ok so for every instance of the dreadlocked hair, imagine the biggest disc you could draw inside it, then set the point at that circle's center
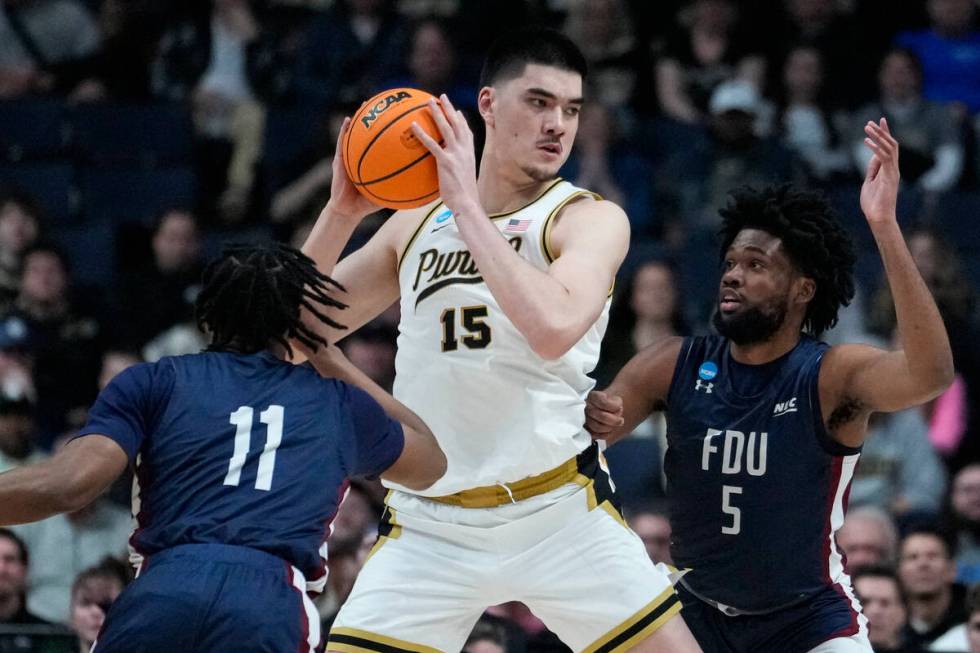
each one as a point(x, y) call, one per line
point(812, 236)
point(253, 295)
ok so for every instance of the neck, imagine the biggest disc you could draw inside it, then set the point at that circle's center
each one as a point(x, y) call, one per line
point(930, 608)
point(647, 333)
point(892, 641)
point(502, 187)
point(9, 606)
point(759, 353)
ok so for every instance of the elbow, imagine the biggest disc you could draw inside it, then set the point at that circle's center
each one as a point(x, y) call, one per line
point(434, 470)
point(938, 379)
point(552, 341)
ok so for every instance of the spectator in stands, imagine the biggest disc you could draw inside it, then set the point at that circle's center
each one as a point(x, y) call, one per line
point(950, 53)
point(114, 361)
point(868, 537)
point(932, 147)
point(883, 603)
point(488, 636)
point(806, 123)
point(349, 51)
point(432, 64)
point(372, 350)
point(704, 51)
point(14, 563)
point(21, 218)
point(18, 433)
point(653, 527)
point(161, 294)
point(899, 471)
point(64, 341)
point(604, 161)
point(92, 592)
point(647, 307)
point(973, 623)
point(964, 522)
point(45, 45)
point(602, 29)
point(735, 155)
point(358, 513)
point(927, 572)
point(69, 544)
point(954, 429)
point(825, 26)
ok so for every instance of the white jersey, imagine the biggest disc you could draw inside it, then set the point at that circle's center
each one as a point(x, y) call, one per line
point(500, 412)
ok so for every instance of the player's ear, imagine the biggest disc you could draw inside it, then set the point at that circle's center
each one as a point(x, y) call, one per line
point(484, 102)
point(806, 288)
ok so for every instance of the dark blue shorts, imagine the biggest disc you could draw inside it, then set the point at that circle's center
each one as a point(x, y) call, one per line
point(797, 629)
point(212, 598)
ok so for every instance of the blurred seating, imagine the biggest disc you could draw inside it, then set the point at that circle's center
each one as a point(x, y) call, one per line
point(32, 129)
point(91, 251)
point(125, 195)
point(52, 183)
point(144, 135)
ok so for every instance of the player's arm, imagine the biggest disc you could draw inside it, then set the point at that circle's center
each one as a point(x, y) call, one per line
point(640, 388)
point(422, 461)
point(552, 309)
point(68, 481)
point(859, 380)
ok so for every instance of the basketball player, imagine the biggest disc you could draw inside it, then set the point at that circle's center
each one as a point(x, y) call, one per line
point(241, 459)
point(504, 285)
point(765, 423)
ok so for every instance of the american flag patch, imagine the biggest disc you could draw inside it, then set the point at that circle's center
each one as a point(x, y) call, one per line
point(516, 226)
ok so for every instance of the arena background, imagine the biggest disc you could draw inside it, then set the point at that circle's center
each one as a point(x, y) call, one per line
point(136, 136)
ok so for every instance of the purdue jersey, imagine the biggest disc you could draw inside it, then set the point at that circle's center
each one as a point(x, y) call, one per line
point(500, 412)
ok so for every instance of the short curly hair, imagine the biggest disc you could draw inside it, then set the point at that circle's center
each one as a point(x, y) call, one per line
point(812, 236)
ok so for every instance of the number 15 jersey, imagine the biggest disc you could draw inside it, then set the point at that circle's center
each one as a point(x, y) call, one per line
point(500, 412)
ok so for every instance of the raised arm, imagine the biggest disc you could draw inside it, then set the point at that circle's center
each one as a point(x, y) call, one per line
point(71, 479)
point(422, 461)
point(640, 388)
point(553, 309)
point(857, 380)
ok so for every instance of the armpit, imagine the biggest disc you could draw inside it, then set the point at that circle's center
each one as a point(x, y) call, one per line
point(847, 410)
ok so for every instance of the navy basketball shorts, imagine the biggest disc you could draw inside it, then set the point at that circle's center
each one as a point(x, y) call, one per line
point(827, 622)
point(212, 598)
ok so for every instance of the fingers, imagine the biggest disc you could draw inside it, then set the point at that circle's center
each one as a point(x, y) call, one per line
point(880, 140)
point(603, 418)
point(874, 166)
point(429, 142)
point(338, 153)
point(604, 401)
point(439, 116)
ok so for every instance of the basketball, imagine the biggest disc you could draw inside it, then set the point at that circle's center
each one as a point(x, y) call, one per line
point(383, 158)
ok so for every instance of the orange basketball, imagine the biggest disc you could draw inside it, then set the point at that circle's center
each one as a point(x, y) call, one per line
point(383, 158)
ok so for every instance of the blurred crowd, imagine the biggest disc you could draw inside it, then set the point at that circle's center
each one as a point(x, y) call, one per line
point(138, 135)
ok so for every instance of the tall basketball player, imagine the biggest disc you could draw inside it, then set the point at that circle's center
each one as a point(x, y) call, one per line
point(504, 285)
point(765, 423)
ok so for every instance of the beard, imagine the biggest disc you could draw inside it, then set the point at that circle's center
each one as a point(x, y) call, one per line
point(752, 325)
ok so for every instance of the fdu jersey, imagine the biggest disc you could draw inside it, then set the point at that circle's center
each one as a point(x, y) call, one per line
point(757, 486)
point(245, 450)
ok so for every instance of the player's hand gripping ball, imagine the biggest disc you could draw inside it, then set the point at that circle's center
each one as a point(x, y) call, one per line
point(384, 160)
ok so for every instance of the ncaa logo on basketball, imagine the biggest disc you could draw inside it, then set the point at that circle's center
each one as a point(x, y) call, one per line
point(382, 106)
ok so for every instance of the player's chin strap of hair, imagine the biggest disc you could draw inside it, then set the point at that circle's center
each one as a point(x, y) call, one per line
point(509, 493)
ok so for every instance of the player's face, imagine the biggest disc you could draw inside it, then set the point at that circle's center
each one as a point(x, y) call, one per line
point(882, 605)
point(924, 566)
point(13, 571)
point(533, 118)
point(756, 282)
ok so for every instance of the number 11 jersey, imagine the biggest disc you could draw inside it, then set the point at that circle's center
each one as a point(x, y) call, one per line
point(245, 450)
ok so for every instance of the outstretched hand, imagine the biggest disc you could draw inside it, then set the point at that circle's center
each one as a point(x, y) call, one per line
point(455, 157)
point(345, 200)
point(603, 414)
point(879, 194)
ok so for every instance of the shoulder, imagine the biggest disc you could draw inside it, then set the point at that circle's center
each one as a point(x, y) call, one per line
point(588, 216)
point(401, 229)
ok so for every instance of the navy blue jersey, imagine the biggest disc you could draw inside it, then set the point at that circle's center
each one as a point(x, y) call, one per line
point(245, 450)
point(757, 485)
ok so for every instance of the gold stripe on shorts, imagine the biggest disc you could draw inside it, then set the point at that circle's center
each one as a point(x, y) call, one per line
point(640, 626)
point(491, 496)
point(352, 640)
